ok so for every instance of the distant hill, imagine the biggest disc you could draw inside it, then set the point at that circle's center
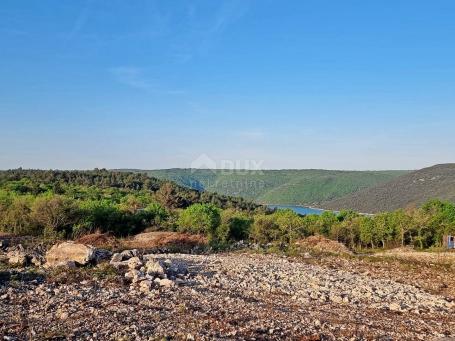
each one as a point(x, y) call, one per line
point(410, 189)
point(296, 187)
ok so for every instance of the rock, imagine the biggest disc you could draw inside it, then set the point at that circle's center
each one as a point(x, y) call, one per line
point(133, 275)
point(134, 263)
point(145, 286)
point(127, 254)
point(70, 252)
point(36, 259)
point(4, 243)
point(67, 264)
point(394, 306)
point(102, 254)
point(154, 268)
point(17, 256)
point(116, 257)
point(164, 282)
point(336, 299)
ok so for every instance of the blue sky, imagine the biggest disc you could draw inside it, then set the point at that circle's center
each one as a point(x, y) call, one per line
point(284, 84)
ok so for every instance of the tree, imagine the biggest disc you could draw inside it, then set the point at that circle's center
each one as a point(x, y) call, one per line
point(55, 213)
point(290, 224)
point(200, 218)
point(402, 223)
point(367, 231)
point(235, 225)
point(265, 229)
point(156, 213)
point(101, 215)
point(167, 195)
point(16, 217)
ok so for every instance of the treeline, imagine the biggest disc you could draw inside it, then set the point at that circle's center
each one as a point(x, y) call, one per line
point(68, 204)
point(71, 203)
point(422, 227)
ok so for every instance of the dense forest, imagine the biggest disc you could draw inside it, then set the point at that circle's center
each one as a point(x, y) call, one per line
point(286, 186)
point(68, 204)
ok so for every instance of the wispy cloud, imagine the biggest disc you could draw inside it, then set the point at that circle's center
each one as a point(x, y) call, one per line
point(203, 30)
point(80, 21)
point(228, 13)
point(135, 77)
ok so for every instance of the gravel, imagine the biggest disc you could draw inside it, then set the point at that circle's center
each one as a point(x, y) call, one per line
point(224, 296)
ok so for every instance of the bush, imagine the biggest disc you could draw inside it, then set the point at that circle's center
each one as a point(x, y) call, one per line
point(55, 214)
point(101, 215)
point(265, 229)
point(16, 217)
point(156, 213)
point(200, 218)
point(235, 225)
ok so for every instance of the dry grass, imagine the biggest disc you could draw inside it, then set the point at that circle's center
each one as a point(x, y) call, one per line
point(170, 240)
point(101, 240)
point(322, 244)
point(442, 257)
point(174, 241)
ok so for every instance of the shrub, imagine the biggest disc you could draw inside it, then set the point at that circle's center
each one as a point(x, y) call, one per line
point(200, 218)
point(101, 215)
point(56, 214)
point(16, 218)
point(265, 229)
point(156, 213)
point(235, 225)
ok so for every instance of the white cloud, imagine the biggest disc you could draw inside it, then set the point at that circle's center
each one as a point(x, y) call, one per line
point(135, 77)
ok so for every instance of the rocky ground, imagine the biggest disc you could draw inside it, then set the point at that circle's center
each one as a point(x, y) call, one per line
point(236, 295)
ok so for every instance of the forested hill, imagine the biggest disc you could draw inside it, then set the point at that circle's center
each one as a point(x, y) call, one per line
point(304, 187)
point(412, 189)
point(100, 183)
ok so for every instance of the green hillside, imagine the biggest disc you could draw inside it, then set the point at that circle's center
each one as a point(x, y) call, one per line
point(298, 187)
point(409, 190)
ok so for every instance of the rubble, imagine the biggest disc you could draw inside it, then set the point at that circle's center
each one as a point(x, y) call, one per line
point(224, 296)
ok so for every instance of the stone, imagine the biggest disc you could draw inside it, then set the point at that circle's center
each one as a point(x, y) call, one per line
point(4, 243)
point(134, 263)
point(67, 264)
point(145, 286)
point(154, 268)
point(164, 282)
point(336, 299)
point(17, 256)
point(70, 252)
point(116, 257)
point(102, 254)
point(394, 306)
point(36, 259)
point(127, 254)
point(133, 275)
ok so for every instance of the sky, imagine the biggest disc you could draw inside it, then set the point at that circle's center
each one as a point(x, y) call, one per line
point(255, 84)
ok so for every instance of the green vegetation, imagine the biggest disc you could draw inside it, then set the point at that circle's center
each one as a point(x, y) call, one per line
point(421, 228)
point(200, 219)
point(58, 204)
point(408, 190)
point(298, 187)
point(64, 204)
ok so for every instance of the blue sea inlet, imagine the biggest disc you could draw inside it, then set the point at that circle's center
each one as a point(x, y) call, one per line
point(298, 209)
